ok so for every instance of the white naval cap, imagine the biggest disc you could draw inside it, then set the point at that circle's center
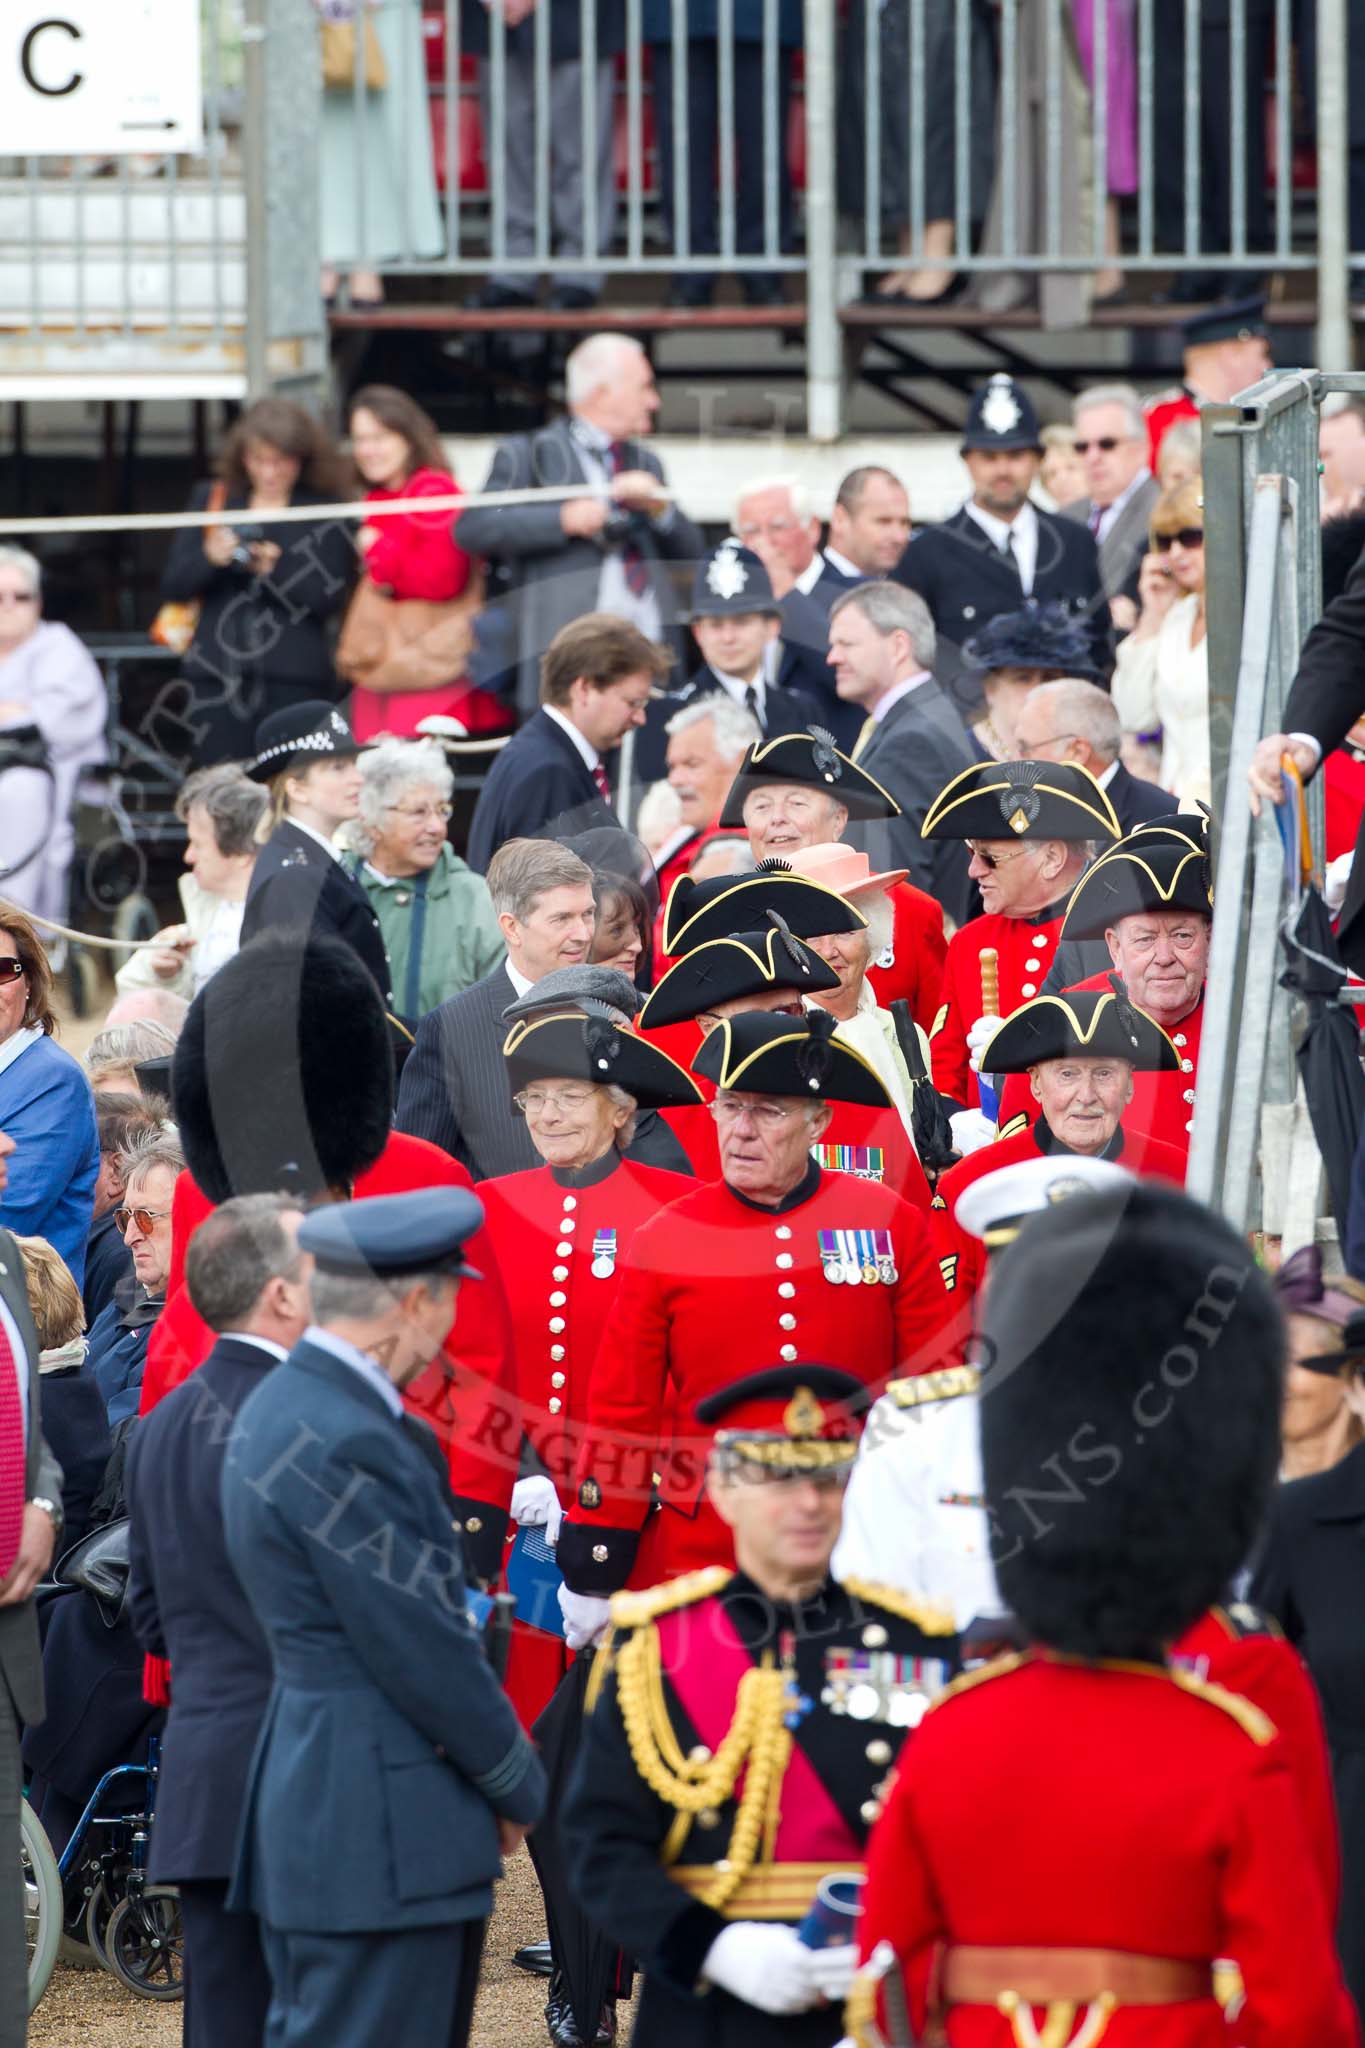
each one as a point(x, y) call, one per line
point(995, 1207)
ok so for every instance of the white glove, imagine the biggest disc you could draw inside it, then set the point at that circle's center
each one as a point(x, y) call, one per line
point(764, 1964)
point(971, 1129)
point(585, 1618)
point(832, 1970)
point(979, 1037)
point(1335, 880)
point(535, 1505)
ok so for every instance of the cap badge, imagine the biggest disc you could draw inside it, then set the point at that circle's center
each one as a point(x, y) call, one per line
point(803, 1415)
point(1019, 800)
point(1000, 413)
point(726, 575)
point(825, 754)
point(1062, 1190)
point(590, 1494)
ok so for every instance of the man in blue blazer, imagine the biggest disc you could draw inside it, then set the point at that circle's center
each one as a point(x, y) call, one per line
point(249, 1281)
point(391, 1775)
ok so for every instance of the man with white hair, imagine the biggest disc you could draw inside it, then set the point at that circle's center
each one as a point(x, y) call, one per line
point(707, 740)
point(773, 516)
point(1111, 440)
point(1071, 720)
point(604, 551)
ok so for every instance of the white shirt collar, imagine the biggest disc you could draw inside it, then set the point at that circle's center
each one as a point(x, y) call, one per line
point(843, 565)
point(1110, 772)
point(518, 980)
point(316, 837)
point(592, 437)
point(586, 751)
point(811, 574)
point(277, 1351)
point(18, 1042)
point(359, 1361)
point(1024, 523)
point(899, 690)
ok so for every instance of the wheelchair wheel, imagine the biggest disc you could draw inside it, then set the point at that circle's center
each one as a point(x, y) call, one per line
point(135, 918)
point(98, 1913)
point(42, 1901)
point(145, 1944)
point(83, 982)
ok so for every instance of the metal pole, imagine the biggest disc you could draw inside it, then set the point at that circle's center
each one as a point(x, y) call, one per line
point(1334, 230)
point(254, 181)
point(824, 347)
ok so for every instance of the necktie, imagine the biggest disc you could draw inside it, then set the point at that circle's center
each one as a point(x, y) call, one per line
point(632, 556)
point(869, 726)
point(11, 1455)
point(751, 706)
point(1096, 519)
point(599, 776)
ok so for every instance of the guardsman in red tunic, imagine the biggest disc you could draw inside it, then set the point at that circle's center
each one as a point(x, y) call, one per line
point(1080, 1053)
point(777, 1257)
point(1031, 826)
point(1129, 1442)
point(1149, 900)
point(742, 1729)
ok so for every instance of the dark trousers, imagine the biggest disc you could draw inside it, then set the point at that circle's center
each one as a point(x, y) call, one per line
point(13, 1942)
point(703, 143)
point(409, 1989)
point(1215, 134)
point(227, 1985)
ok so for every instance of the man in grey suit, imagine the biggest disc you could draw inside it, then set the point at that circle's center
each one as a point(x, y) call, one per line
point(30, 1524)
point(1112, 442)
point(881, 649)
point(606, 551)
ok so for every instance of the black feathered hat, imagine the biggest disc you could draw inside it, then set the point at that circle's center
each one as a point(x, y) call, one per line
point(1037, 635)
point(1021, 800)
point(811, 760)
point(1130, 1417)
point(727, 970)
point(1149, 872)
point(1082, 1024)
point(283, 1075)
point(586, 1044)
point(715, 909)
point(765, 1055)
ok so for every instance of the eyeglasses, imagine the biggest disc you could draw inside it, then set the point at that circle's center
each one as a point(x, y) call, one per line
point(1106, 443)
point(767, 1115)
point(996, 860)
point(11, 969)
point(1027, 749)
point(441, 812)
point(1188, 536)
point(18, 597)
point(144, 1219)
point(535, 1101)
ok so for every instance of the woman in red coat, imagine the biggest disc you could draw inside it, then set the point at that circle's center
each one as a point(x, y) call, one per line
point(561, 1233)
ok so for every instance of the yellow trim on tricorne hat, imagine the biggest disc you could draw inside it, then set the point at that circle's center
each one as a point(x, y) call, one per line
point(1102, 811)
point(674, 941)
point(731, 1081)
point(1083, 1032)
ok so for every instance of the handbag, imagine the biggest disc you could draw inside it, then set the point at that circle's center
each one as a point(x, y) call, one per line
point(407, 643)
point(339, 57)
point(177, 622)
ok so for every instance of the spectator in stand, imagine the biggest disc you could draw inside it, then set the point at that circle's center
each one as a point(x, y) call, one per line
point(414, 558)
point(707, 740)
point(123, 1122)
point(658, 818)
point(434, 913)
point(51, 690)
point(1061, 472)
point(377, 174)
point(1072, 720)
point(75, 1427)
point(1120, 493)
point(1182, 452)
point(46, 1108)
point(1341, 446)
point(1000, 548)
point(606, 551)
point(752, 112)
point(115, 1052)
point(774, 520)
point(511, 152)
point(221, 810)
point(624, 924)
point(1319, 1425)
point(1176, 99)
point(869, 528)
point(1162, 675)
point(119, 1339)
point(882, 650)
point(1226, 350)
point(265, 593)
point(550, 780)
point(1119, 87)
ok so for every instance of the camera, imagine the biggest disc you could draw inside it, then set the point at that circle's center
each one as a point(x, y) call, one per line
point(247, 537)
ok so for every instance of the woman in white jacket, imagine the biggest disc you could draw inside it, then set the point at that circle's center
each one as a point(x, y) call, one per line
point(221, 809)
point(1162, 675)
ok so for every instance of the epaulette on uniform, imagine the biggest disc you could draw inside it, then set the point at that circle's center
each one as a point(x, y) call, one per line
point(945, 1385)
point(1013, 1127)
point(1240, 1619)
point(940, 1020)
point(931, 1621)
point(633, 1610)
point(998, 1667)
point(947, 1267)
point(1248, 1717)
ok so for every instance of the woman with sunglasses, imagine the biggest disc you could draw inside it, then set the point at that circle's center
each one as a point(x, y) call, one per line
point(46, 1108)
point(1161, 679)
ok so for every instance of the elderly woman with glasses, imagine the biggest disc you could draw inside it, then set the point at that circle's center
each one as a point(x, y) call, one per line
point(52, 697)
point(435, 913)
point(46, 1107)
point(1161, 679)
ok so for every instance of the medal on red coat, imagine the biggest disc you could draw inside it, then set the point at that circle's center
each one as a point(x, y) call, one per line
point(603, 1254)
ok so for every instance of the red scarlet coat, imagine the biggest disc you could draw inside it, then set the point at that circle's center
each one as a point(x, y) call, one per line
point(1140, 1815)
point(1162, 1104)
point(1163, 412)
point(1025, 946)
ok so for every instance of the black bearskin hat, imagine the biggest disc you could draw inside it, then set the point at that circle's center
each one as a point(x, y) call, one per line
point(283, 1076)
point(1130, 1417)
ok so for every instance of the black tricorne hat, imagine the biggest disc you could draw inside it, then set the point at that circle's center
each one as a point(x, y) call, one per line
point(283, 1073)
point(585, 1044)
point(732, 582)
point(1148, 872)
point(391, 1236)
point(760, 1054)
point(1021, 800)
point(727, 970)
point(1132, 1326)
point(813, 761)
point(1001, 415)
point(1088, 1024)
point(313, 731)
point(726, 904)
point(1038, 636)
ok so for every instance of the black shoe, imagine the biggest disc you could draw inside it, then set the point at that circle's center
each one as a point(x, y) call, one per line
point(763, 289)
point(563, 2028)
point(501, 298)
point(572, 298)
point(534, 1959)
point(692, 291)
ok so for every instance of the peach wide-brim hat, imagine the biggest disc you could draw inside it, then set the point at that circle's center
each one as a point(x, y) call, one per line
point(843, 869)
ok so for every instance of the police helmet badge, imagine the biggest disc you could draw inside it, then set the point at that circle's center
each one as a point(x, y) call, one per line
point(726, 575)
point(1000, 411)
